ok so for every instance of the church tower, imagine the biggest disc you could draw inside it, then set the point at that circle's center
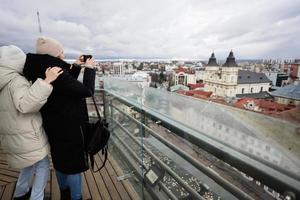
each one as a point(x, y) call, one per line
point(222, 80)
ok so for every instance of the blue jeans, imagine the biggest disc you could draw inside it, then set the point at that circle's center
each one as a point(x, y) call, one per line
point(71, 181)
point(41, 171)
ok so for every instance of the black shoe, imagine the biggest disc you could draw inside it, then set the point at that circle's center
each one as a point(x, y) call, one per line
point(24, 197)
point(65, 194)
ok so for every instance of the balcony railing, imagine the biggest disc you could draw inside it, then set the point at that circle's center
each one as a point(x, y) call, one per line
point(177, 147)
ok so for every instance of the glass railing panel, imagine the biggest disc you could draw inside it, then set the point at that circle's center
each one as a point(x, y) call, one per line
point(246, 135)
point(273, 140)
point(128, 154)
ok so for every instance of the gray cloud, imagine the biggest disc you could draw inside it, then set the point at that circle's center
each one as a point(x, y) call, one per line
point(158, 28)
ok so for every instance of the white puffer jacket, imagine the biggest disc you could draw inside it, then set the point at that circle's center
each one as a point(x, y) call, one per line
point(22, 136)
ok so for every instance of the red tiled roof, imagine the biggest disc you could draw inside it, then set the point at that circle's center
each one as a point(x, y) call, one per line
point(195, 93)
point(197, 85)
point(241, 102)
point(267, 107)
point(219, 100)
point(292, 115)
point(181, 92)
point(184, 70)
point(198, 93)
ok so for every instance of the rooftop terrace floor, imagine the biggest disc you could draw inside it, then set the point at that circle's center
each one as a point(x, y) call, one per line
point(96, 186)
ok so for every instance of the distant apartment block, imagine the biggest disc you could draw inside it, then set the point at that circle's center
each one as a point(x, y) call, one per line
point(278, 79)
point(118, 68)
point(293, 68)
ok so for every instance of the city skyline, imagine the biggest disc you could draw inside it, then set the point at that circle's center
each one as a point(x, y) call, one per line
point(189, 29)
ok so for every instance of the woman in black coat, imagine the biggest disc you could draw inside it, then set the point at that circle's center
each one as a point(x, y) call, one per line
point(64, 114)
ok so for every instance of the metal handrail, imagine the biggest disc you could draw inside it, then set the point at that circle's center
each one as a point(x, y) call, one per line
point(164, 188)
point(209, 172)
point(193, 192)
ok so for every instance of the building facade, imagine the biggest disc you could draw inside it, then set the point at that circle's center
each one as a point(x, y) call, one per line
point(289, 95)
point(184, 77)
point(221, 80)
point(229, 80)
point(118, 68)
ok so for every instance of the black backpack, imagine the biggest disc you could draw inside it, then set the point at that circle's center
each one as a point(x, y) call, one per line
point(97, 138)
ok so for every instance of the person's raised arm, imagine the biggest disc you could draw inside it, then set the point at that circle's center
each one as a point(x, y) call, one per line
point(30, 98)
point(89, 75)
point(76, 67)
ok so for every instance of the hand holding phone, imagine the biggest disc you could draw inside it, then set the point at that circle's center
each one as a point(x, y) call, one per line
point(85, 57)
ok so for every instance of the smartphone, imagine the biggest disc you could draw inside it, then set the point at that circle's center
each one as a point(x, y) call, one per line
point(85, 57)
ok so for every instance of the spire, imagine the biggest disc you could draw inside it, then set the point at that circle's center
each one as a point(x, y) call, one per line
point(39, 22)
point(230, 61)
point(212, 60)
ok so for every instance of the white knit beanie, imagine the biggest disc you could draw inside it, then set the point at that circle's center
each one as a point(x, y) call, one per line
point(50, 46)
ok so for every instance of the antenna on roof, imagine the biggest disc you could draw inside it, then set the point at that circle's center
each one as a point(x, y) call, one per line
point(39, 22)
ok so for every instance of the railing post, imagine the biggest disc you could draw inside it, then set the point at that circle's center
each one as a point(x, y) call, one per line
point(142, 134)
point(103, 100)
point(143, 121)
point(111, 109)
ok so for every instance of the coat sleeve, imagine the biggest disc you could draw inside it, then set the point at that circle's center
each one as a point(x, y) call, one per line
point(89, 79)
point(67, 85)
point(75, 70)
point(29, 98)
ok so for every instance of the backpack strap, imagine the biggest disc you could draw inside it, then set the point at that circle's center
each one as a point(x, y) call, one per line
point(97, 111)
point(104, 151)
point(92, 160)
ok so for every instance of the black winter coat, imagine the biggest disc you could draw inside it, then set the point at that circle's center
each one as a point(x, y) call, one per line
point(65, 113)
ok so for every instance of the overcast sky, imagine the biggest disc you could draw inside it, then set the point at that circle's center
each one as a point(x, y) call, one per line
point(157, 28)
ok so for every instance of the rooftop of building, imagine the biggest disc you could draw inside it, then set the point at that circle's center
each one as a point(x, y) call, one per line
point(249, 77)
point(212, 60)
point(260, 95)
point(292, 115)
point(230, 61)
point(183, 69)
point(261, 105)
point(290, 91)
point(196, 93)
point(195, 86)
point(179, 87)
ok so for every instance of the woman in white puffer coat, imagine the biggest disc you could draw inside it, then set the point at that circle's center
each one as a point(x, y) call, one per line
point(22, 136)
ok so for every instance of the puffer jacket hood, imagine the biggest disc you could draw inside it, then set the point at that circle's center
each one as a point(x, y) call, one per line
point(12, 60)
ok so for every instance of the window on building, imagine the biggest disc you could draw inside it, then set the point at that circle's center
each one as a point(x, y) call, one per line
point(243, 90)
point(251, 90)
point(261, 89)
